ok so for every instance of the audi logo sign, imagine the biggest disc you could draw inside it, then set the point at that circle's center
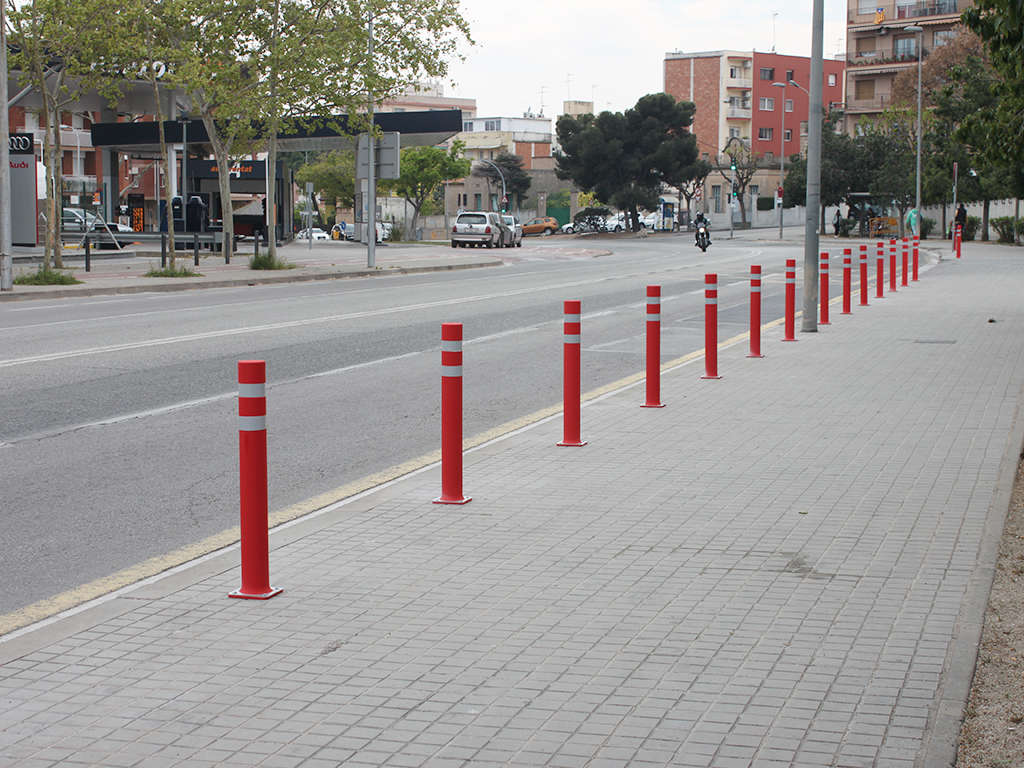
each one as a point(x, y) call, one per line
point(21, 144)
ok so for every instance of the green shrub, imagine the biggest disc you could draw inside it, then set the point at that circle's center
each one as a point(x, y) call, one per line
point(176, 272)
point(845, 226)
point(263, 260)
point(1005, 227)
point(927, 226)
point(46, 276)
point(396, 234)
point(972, 227)
point(765, 203)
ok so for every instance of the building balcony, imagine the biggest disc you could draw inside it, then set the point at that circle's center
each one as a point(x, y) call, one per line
point(737, 113)
point(864, 62)
point(904, 11)
point(873, 104)
point(745, 83)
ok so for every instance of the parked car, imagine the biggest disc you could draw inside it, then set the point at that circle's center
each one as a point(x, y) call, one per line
point(318, 234)
point(546, 225)
point(79, 220)
point(483, 228)
point(113, 232)
point(517, 230)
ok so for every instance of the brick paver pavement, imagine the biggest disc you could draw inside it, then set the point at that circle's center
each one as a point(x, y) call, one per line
point(784, 567)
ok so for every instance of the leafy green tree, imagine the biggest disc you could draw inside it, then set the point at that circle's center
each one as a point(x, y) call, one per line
point(333, 178)
point(890, 152)
point(517, 181)
point(996, 130)
point(424, 170)
point(690, 181)
point(624, 158)
point(63, 48)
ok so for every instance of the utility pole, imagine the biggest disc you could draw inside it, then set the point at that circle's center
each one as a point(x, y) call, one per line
point(809, 323)
point(371, 177)
point(6, 254)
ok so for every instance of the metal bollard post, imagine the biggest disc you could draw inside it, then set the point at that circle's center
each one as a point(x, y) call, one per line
point(790, 300)
point(906, 265)
point(892, 266)
point(88, 254)
point(653, 347)
point(252, 464)
point(711, 327)
point(195, 249)
point(847, 281)
point(823, 271)
point(755, 311)
point(880, 281)
point(958, 238)
point(451, 415)
point(163, 251)
point(572, 389)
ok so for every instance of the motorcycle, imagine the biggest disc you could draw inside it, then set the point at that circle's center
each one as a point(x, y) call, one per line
point(703, 239)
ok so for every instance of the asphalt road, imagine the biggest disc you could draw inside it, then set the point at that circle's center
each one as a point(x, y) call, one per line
point(118, 428)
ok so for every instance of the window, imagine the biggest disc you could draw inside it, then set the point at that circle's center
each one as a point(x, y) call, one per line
point(716, 197)
point(864, 89)
point(477, 201)
point(766, 105)
point(492, 125)
point(789, 105)
point(906, 46)
point(943, 36)
point(767, 73)
point(832, 78)
point(789, 75)
point(788, 135)
point(467, 126)
point(765, 133)
point(735, 72)
point(754, 189)
point(734, 133)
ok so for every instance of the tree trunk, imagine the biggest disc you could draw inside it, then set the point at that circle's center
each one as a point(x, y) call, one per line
point(220, 154)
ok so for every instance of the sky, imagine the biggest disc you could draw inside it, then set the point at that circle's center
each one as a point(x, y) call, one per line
point(534, 54)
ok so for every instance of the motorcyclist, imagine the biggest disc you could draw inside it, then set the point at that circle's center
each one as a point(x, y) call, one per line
point(700, 219)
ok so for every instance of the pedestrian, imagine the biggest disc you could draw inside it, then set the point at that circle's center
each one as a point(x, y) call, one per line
point(835, 222)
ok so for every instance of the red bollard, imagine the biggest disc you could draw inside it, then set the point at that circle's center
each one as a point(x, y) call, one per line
point(906, 258)
point(917, 246)
point(847, 281)
point(957, 239)
point(653, 347)
point(823, 271)
point(252, 465)
point(451, 415)
point(863, 275)
point(571, 368)
point(711, 327)
point(755, 312)
point(790, 300)
point(880, 281)
point(892, 266)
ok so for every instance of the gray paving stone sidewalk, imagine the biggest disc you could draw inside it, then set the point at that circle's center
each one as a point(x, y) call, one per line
point(784, 567)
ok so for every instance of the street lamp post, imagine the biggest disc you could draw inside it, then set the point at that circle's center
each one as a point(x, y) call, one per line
point(918, 41)
point(504, 194)
point(782, 154)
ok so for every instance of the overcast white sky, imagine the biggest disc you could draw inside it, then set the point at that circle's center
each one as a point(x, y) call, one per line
point(531, 53)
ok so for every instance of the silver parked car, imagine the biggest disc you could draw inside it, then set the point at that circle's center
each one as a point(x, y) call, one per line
point(516, 228)
point(482, 228)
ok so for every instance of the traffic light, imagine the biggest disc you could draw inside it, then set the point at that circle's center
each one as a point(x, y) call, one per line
point(735, 189)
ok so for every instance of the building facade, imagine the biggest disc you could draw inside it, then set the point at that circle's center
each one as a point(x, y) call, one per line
point(879, 47)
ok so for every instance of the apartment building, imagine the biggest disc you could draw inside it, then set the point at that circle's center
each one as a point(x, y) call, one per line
point(879, 47)
point(759, 99)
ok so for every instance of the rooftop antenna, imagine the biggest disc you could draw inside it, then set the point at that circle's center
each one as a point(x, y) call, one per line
point(542, 89)
point(568, 79)
point(774, 14)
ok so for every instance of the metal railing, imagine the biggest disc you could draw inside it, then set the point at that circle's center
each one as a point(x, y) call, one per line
point(879, 14)
point(881, 57)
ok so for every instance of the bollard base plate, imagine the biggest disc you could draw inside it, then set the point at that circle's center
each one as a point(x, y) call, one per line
point(755, 355)
point(710, 377)
point(653, 405)
point(464, 500)
point(257, 596)
point(579, 444)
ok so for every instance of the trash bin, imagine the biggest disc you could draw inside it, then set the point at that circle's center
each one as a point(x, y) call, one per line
point(419, 234)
